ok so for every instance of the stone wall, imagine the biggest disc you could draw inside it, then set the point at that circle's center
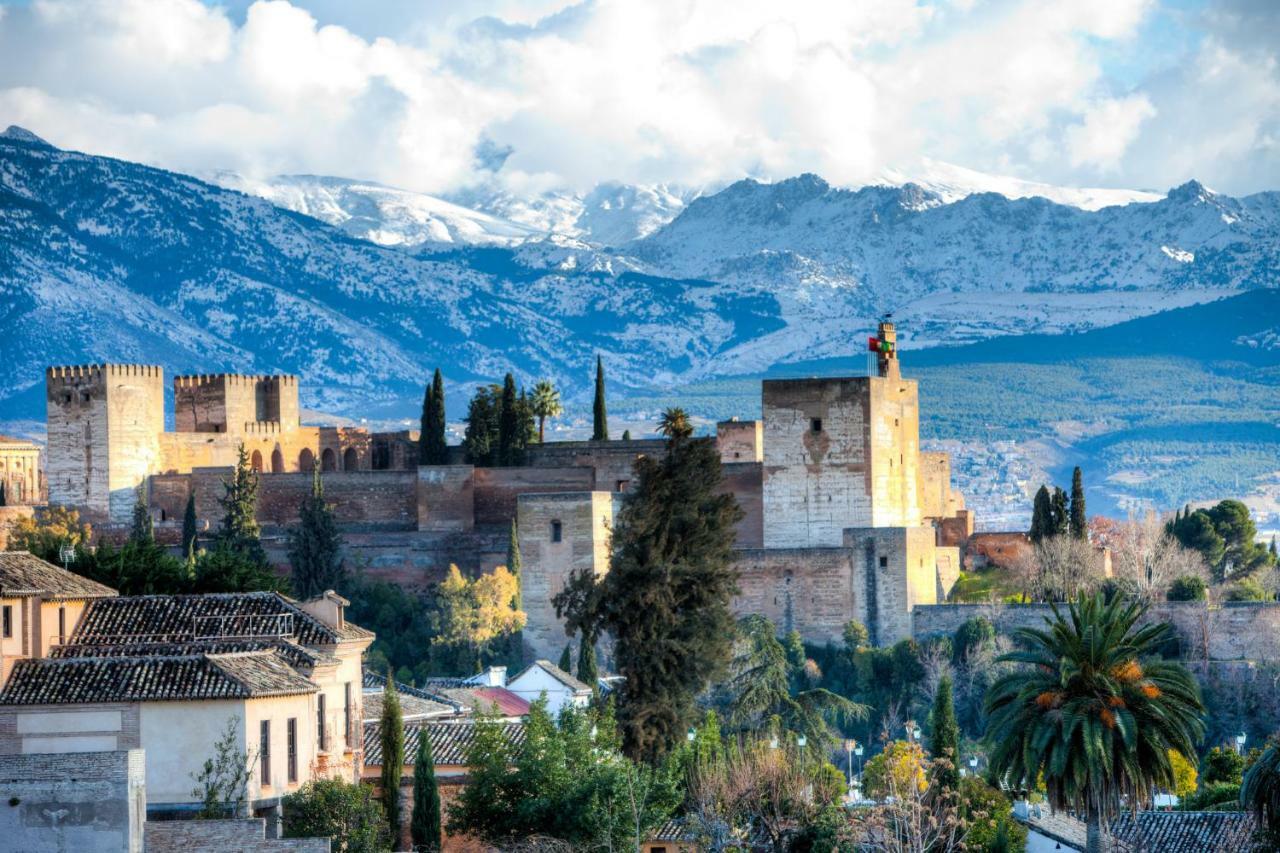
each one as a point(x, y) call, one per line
point(216, 836)
point(740, 441)
point(446, 498)
point(612, 461)
point(1000, 549)
point(937, 498)
point(497, 489)
point(1235, 631)
point(744, 481)
point(899, 573)
point(82, 801)
point(811, 590)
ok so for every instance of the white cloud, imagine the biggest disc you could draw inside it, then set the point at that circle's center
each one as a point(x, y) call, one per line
point(691, 91)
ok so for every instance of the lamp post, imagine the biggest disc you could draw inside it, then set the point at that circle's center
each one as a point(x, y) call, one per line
point(691, 734)
point(1240, 739)
point(849, 746)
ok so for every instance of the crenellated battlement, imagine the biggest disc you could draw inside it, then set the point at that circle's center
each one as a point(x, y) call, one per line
point(246, 380)
point(262, 428)
point(95, 371)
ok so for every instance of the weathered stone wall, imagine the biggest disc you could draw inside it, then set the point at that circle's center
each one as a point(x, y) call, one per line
point(811, 590)
point(497, 489)
point(899, 571)
point(446, 498)
point(894, 437)
point(82, 801)
point(744, 480)
point(1233, 631)
point(955, 531)
point(740, 441)
point(217, 836)
point(583, 521)
point(948, 557)
point(611, 460)
point(1001, 549)
point(225, 402)
point(937, 498)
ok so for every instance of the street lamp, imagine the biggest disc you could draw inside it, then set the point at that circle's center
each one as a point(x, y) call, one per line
point(773, 742)
point(691, 734)
point(912, 731)
point(68, 556)
point(802, 741)
point(1240, 739)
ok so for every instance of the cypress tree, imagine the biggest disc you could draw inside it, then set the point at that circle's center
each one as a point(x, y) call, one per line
point(4, 501)
point(566, 659)
point(588, 673)
point(315, 545)
point(1079, 520)
point(1061, 514)
point(239, 531)
point(508, 423)
point(945, 741)
point(424, 825)
point(1274, 556)
point(432, 447)
point(481, 440)
point(391, 735)
point(626, 435)
point(1041, 516)
point(189, 534)
point(514, 566)
point(600, 416)
point(142, 530)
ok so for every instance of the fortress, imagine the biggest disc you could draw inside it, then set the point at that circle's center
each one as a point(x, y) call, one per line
point(844, 516)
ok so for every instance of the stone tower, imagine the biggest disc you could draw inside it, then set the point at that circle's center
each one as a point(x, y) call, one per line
point(229, 402)
point(104, 422)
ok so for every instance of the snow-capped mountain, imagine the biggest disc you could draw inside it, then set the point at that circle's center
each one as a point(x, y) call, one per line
point(381, 214)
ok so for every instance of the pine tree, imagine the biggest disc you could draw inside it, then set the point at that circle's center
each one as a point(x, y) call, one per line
point(481, 439)
point(239, 531)
point(424, 825)
point(1041, 516)
point(1079, 520)
point(588, 673)
point(514, 566)
point(315, 545)
point(142, 529)
point(1274, 555)
point(945, 742)
point(626, 435)
point(432, 447)
point(1061, 513)
point(391, 734)
point(509, 443)
point(189, 534)
point(566, 659)
point(600, 417)
point(665, 600)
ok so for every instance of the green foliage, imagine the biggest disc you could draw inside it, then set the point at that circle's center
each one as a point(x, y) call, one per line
point(1093, 710)
point(1224, 535)
point(566, 781)
point(544, 402)
point(1217, 797)
point(424, 825)
point(855, 636)
point(599, 412)
point(896, 769)
point(1222, 764)
point(988, 815)
point(391, 738)
point(315, 545)
point(566, 658)
point(239, 531)
point(136, 568)
point(4, 500)
point(588, 672)
point(403, 620)
point(1079, 519)
point(475, 619)
point(47, 531)
point(665, 600)
point(626, 436)
point(433, 449)
point(500, 425)
point(510, 443)
point(976, 631)
point(944, 740)
point(1188, 588)
point(225, 569)
point(189, 534)
point(222, 782)
point(1248, 589)
point(343, 812)
point(1060, 514)
point(141, 528)
point(1042, 524)
point(1260, 791)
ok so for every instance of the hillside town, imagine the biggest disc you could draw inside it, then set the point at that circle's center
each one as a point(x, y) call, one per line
point(247, 633)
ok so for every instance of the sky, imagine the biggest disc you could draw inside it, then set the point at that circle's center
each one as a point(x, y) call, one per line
point(534, 95)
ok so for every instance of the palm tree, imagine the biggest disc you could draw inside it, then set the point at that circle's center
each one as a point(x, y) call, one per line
point(1261, 789)
point(761, 688)
point(1094, 711)
point(675, 424)
point(545, 403)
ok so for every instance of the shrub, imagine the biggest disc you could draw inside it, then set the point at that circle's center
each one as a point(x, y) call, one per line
point(344, 812)
point(1188, 588)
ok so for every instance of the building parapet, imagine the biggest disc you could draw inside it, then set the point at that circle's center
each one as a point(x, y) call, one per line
point(83, 371)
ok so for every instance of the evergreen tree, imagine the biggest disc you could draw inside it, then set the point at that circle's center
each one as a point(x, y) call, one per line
point(4, 501)
point(1061, 514)
point(432, 447)
point(626, 435)
point(424, 826)
point(600, 417)
point(189, 534)
point(1041, 516)
point(1079, 520)
point(509, 443)
point(1274, 555)
point(945, 741)
point(588, 673)
point(142, 530)
point(391, 735)
point(566, 659)
point(665, 599)
point(239, 531)
point(514, 566)
point(545, 403)
point(481, 439)
point(315, 545)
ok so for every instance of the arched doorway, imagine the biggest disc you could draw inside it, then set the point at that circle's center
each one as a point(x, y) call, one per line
point(306, 460)
point(328, 460)
point(277, 461)
point(350, 460)
point(256, 461)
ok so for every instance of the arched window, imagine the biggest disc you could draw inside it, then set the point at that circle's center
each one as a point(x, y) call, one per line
point(306, 460)
point(277, 461)
point(350, 460)
point(256, 461)
point(328, 460)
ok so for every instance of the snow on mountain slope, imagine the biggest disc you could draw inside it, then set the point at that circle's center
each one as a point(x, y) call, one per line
point(381, 214)
point(952, 183)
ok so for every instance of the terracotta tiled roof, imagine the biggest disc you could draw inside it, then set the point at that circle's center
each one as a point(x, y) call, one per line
point(1185, 832)
point(183, 618)
point(295, 655)
point(374, 682)
point(672, 831)
point(22, 574)
point(77, 680)
point(411, 707)
point(557, 673)
point(483, 700)
point(451, 740)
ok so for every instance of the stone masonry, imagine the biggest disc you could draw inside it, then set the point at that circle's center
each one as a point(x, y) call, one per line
point(93, 802)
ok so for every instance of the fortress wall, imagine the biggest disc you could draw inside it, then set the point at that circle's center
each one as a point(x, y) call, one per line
point(1001, 549)
point(813, 590)
point(740, 441)
point(446, 498)
point(1232, 631)
point(497, 489)
point(612, 460)
point(744, 481)
point(936, 499)
point(894, 437)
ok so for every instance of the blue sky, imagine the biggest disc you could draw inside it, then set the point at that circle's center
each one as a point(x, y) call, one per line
point(1124, 93)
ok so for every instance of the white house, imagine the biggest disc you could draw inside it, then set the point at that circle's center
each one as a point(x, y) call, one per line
point(561, 688)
